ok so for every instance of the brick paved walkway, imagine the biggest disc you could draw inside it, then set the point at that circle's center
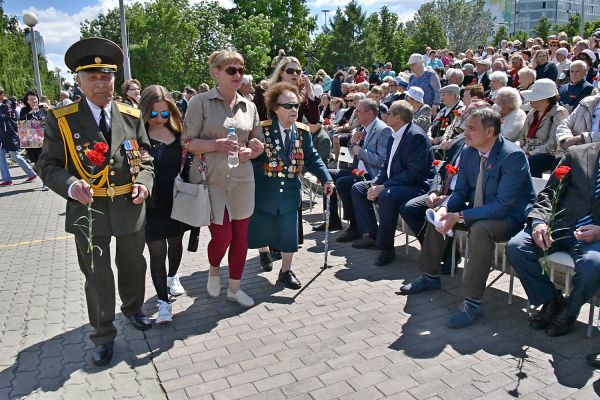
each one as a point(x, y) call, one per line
point(347, 335)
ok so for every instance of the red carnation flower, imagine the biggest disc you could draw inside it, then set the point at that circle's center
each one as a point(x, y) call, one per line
point(101, 147)
point(561, 171)
point(361, 172)
point(354, 171)
point(451, 169)
point(95, 157)
point(436, 162)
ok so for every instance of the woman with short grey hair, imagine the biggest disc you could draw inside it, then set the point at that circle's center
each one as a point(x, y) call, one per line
point(498, 80)
point(508, 103)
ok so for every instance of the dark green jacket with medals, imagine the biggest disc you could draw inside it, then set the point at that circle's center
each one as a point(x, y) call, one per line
point(63, 158)
point(277, 185)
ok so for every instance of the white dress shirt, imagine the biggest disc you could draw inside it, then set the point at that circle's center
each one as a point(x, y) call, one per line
point(397, 138)
point(97, 110)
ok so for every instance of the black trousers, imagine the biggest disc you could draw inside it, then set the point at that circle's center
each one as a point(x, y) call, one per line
point(343, 180)
point(100, 282)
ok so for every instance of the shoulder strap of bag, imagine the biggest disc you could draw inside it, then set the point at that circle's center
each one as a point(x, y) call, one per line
point(201, 159)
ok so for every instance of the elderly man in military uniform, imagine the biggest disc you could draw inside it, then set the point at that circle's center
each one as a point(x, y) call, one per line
point(115, 185)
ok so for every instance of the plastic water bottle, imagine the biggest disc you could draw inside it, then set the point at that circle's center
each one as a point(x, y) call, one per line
point(232, 159)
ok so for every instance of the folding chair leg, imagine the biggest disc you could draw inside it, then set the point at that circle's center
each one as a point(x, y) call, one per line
point(511, 285)
point(591, 316)
point(453, 266)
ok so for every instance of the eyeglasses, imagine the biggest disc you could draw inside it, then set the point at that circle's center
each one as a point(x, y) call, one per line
point(350, 101)
point(163, 114)
point(233, 70)
point(292, 71)
point(289, 106)
point(133, 88)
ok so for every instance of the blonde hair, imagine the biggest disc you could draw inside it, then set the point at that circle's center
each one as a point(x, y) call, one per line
point(223, 57)
point(153, 94)
point(285, 61)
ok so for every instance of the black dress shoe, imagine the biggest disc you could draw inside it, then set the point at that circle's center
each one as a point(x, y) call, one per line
point(102, 354)
point(275, 255)
point(140, 321)
point(365, 242)
point(333, 226)
point(593, 360)
point(289, 280)
point(562, 324)
point(385, 257)
point(349, 235)
point(542, 319)
point(266, 262)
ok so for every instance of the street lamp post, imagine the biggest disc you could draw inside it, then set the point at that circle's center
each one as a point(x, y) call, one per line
point(31, 21)
point(126, 66)
point(57, 70)
point(325, 19)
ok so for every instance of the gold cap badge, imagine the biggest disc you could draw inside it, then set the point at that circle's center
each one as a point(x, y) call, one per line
point(98, 60)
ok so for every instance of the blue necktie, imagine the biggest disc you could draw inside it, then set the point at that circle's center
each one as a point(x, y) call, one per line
point(588, 218)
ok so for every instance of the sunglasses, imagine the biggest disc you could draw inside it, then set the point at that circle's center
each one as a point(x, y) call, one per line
point(233, 70)
point(163, 114)
point(289, 106)
point(292, 71)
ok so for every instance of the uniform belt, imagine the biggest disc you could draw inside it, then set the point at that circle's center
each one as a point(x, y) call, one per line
point(118, 190)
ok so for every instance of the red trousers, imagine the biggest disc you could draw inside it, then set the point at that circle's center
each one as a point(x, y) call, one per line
point(232, 235)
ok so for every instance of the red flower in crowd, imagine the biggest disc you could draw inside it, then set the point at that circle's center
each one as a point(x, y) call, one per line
point(326, 121)
point(457, 113)
point(101, 147)
point(451, 169)
point(595, 78)
point(360, 172)
point(561, 171)
point(436, 162)
point(354, 171)
point(95, 157)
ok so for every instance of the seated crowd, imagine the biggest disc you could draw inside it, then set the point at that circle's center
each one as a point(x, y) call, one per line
point(460, 135)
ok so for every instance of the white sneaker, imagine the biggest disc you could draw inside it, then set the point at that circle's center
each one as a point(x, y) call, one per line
point(165, 312)
point(242, 298)
point(174, 285)
point(214, 286)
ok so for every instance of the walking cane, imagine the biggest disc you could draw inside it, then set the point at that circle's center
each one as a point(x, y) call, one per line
point(326, 241)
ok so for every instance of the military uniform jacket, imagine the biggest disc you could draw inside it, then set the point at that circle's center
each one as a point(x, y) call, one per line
point(116, 216)
point(276, 174)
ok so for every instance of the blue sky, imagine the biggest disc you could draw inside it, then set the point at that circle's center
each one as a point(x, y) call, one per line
point(58, 20)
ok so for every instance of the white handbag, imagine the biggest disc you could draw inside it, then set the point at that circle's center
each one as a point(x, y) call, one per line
point(191, 202)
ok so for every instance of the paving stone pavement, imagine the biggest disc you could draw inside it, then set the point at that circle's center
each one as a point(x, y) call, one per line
point(346, 335)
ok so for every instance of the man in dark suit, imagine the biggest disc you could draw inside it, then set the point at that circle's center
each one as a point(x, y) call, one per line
point(483, 66)
point(118, 183)
point(578, 228)
point(369, 147)
point(492, 198)
point(414, 210)
point(186, 96)
point(406, 174)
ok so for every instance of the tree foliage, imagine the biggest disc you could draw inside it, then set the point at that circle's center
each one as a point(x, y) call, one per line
point(542, 28)
point(16, 66)
point(464, 24)
point(572, 27)
point(501, 34)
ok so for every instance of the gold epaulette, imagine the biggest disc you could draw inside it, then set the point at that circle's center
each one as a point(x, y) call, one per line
point(302, 127)
point(65, 110)
point(127, 109)
point(266, 122)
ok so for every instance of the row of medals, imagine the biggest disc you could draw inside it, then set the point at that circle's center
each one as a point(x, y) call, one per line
point(134, 158)
point(275, 167)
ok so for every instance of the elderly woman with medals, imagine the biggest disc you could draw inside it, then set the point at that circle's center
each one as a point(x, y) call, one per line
point(288, 150)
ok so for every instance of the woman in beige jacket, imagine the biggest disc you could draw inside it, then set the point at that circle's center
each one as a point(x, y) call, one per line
point(538, 136)
point(207, 121)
